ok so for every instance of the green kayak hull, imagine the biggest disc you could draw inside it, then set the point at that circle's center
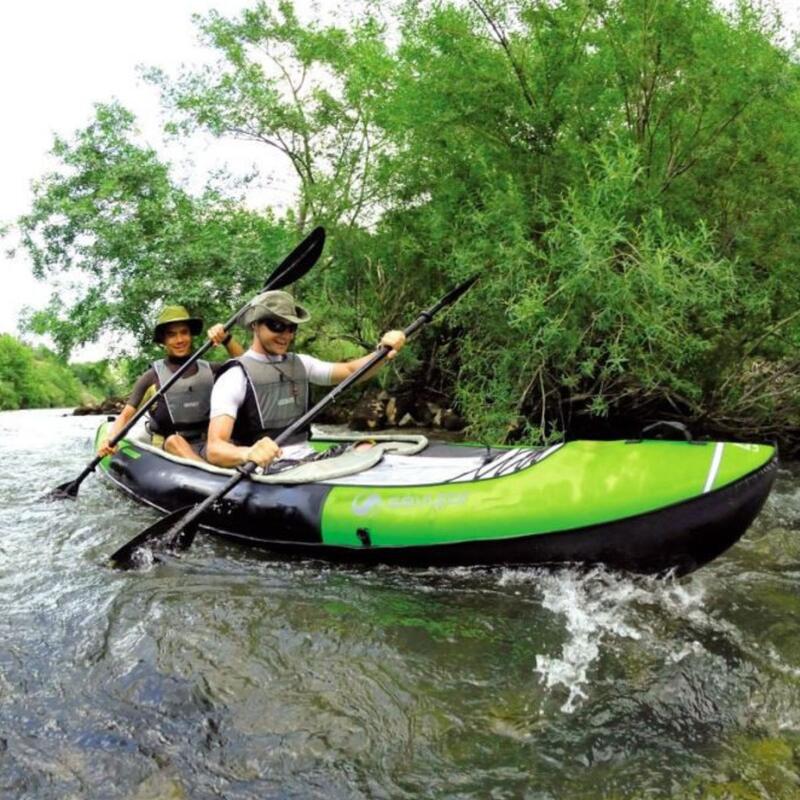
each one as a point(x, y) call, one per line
point(647, 506)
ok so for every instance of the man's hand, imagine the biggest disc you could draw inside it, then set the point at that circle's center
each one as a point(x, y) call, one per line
point(217, 333)
point(264, 452)
point(395, 340)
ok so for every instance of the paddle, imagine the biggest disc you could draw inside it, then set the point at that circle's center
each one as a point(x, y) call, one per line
point(176, 531)
point(291, 269)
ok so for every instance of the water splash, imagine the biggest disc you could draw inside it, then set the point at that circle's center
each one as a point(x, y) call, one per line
point(600, 609)
point(592, 608)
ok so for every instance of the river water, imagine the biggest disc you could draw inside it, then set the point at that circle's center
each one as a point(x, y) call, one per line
point(231, 674)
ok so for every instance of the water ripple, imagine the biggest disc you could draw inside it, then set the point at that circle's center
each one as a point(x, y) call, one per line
point(230, 673)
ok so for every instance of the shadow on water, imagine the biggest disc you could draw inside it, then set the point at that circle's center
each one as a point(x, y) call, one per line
point(232, 674)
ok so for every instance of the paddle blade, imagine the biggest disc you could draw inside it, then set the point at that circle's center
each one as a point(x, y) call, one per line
point(454, 294)
point(299, 261)
point(65, 491)
point(169, 534)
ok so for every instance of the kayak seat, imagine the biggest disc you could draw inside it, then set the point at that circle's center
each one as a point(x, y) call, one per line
point(351, 462)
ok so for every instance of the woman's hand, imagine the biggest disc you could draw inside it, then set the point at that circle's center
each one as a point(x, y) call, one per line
point(105, 448)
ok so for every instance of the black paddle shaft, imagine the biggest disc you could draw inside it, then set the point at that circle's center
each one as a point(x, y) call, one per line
point(180, 534)
point(292, 268)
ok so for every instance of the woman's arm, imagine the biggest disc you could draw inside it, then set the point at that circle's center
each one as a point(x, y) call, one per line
point(218, 335)
point(125, 416)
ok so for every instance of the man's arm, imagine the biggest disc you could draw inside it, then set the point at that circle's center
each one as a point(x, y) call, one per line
point(227, 397)
point(222, 452)
point(125, 416)
point(344, 369)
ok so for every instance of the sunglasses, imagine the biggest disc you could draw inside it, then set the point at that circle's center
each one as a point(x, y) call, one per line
point(278, 325)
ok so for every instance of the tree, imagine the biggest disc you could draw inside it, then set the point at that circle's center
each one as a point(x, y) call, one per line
point(117, 238)
point(34, 378)
point(302, 91)
point(621, 172)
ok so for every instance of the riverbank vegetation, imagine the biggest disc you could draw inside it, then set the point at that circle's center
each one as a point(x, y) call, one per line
point(621, 173)
point(35, 377)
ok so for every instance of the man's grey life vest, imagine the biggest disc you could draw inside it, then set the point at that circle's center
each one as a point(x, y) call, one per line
point(185, 407)
point(277, 395)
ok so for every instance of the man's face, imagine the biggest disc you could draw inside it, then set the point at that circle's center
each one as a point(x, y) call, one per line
point(275, 343)
point(177, 339)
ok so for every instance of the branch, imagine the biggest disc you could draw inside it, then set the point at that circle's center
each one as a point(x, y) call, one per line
point(777, 326)
point(502, 40)
point(716, 131)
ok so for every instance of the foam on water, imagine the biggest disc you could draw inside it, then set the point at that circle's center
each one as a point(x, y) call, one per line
point(600, 609)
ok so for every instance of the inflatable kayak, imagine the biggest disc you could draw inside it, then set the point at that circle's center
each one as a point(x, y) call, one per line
point(645, 505)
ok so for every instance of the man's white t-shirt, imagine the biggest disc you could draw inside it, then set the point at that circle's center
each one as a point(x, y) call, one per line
point(228, 394)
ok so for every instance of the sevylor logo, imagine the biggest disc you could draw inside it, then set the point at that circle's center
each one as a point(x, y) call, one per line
point(363, 504)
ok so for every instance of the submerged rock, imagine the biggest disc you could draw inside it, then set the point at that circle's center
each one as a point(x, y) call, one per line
point(111, 405)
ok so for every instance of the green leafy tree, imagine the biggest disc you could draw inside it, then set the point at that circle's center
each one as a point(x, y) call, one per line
point(621, 172)
point(302, 91)
point(102, 378)
point(590, 159)
point(117, 239)
point(35, 378)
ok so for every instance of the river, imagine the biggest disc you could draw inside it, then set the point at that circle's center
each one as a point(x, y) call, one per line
point(232, 674)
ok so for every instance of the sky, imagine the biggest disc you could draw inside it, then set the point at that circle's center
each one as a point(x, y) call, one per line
point(59, 58)
point(56, 60)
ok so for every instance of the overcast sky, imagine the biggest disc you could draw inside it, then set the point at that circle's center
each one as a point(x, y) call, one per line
point(58, 58)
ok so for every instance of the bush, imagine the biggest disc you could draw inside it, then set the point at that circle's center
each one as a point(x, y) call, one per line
point(35, 378)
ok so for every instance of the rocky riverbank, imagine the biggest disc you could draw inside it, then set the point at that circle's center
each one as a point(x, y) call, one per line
point(374, 410)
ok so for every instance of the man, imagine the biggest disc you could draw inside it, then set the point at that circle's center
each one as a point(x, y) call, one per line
point(259, 394)
point(178, 421)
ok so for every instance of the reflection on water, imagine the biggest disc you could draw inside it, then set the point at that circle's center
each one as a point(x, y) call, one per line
point(231, 674)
